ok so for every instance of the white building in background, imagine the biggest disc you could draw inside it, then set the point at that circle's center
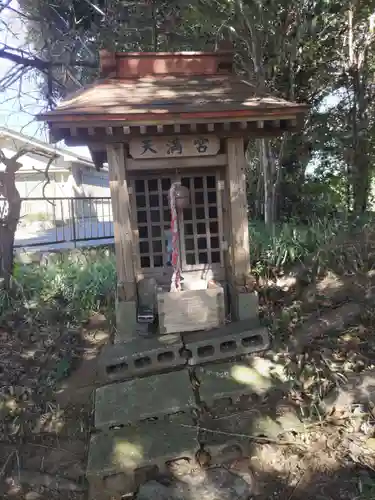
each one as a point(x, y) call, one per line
point(48, 209)
point(70, 174)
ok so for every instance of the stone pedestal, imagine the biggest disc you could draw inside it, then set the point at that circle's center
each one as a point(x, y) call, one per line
point(248, 305)
point(126, 320)
point(142, 398)
point(244, 305)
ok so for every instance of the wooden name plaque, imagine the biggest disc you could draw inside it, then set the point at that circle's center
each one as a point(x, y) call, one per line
point(174, 146)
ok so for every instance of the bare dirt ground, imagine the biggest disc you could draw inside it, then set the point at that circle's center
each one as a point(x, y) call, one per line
point(323, 337)
point(47, 376)
point(46, 416)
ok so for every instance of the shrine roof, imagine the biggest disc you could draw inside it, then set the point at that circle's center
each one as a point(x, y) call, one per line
point(144, 87)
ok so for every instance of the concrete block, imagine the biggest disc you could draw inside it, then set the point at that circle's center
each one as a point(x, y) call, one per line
point(232, 340)
point(225, 381)
point(243, 425)
point(229, 437)
point(244, 305)
point(140, 357)
point(126, 320)
point(119, 461)
point(248, 306)
point(139, 399)
point(222, 441)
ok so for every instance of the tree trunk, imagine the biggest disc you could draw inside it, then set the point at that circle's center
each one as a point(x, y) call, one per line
point(271, 182)
point(361, 167)
point(359, 71)
point(259, 195)
point(276, 183)
point(8, 226)
point(6, 256)
point(361, 182)
point(265, 167)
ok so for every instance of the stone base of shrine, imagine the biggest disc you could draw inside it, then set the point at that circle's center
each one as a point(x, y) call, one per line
point(141, 356)
point(244, 305)
point(126, 321)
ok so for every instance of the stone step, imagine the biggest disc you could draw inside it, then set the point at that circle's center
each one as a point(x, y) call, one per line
point(232, 340)
point(145, 356)
point(144, 398)
point(243, 426)
point(231, 382)
point(119, 461)
point(223, 439)
point(232, 437)
point(139, 357)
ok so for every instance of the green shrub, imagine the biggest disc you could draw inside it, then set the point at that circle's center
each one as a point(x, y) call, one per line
point(74, 285)
point(80, 282)
point(287, 243)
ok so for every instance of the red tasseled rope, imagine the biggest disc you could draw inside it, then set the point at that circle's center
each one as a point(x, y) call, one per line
point(176, 262)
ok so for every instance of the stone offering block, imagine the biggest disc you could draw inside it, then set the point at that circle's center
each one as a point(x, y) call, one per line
point(139, 399)
point(191, 310)
point(119, 461)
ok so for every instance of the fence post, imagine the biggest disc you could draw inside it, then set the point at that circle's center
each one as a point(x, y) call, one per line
point(72, 214)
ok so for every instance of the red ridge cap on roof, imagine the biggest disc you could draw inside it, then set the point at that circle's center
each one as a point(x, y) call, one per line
point(140, 64)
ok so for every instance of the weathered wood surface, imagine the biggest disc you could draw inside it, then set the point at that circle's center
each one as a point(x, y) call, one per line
point(174, 146)
point(240, 251)
point(125, 257)
point(191, 310)
point(251, 131)
point(174, 163)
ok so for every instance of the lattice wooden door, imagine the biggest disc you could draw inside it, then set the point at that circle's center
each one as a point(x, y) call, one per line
point(200, 225)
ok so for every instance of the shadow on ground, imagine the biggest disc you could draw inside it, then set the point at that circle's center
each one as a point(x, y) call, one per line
point(317, 380)
point(47, 376)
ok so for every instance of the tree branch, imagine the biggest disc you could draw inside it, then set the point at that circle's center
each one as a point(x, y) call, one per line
point(45, 172)
point(22, 59)
point(18, 56)
point(11, 164)
point(5, 5)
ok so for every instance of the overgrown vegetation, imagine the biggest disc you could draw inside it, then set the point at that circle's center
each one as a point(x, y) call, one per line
point(67, 286)
point(274, 249)
point(81, 282)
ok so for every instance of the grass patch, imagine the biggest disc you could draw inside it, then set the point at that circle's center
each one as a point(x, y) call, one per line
point(290, 242)
point(74, 284)
point(78, 283)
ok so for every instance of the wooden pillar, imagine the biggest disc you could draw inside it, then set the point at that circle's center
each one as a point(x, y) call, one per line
point(240, 252)
point(126, 289)
point(244, 301)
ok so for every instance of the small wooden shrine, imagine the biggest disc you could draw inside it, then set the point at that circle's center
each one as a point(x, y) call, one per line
point(175, 122)
point(174, 129)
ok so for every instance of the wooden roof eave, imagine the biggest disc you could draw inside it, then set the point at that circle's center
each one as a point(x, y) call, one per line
point(60, 118)
point(236, 123)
